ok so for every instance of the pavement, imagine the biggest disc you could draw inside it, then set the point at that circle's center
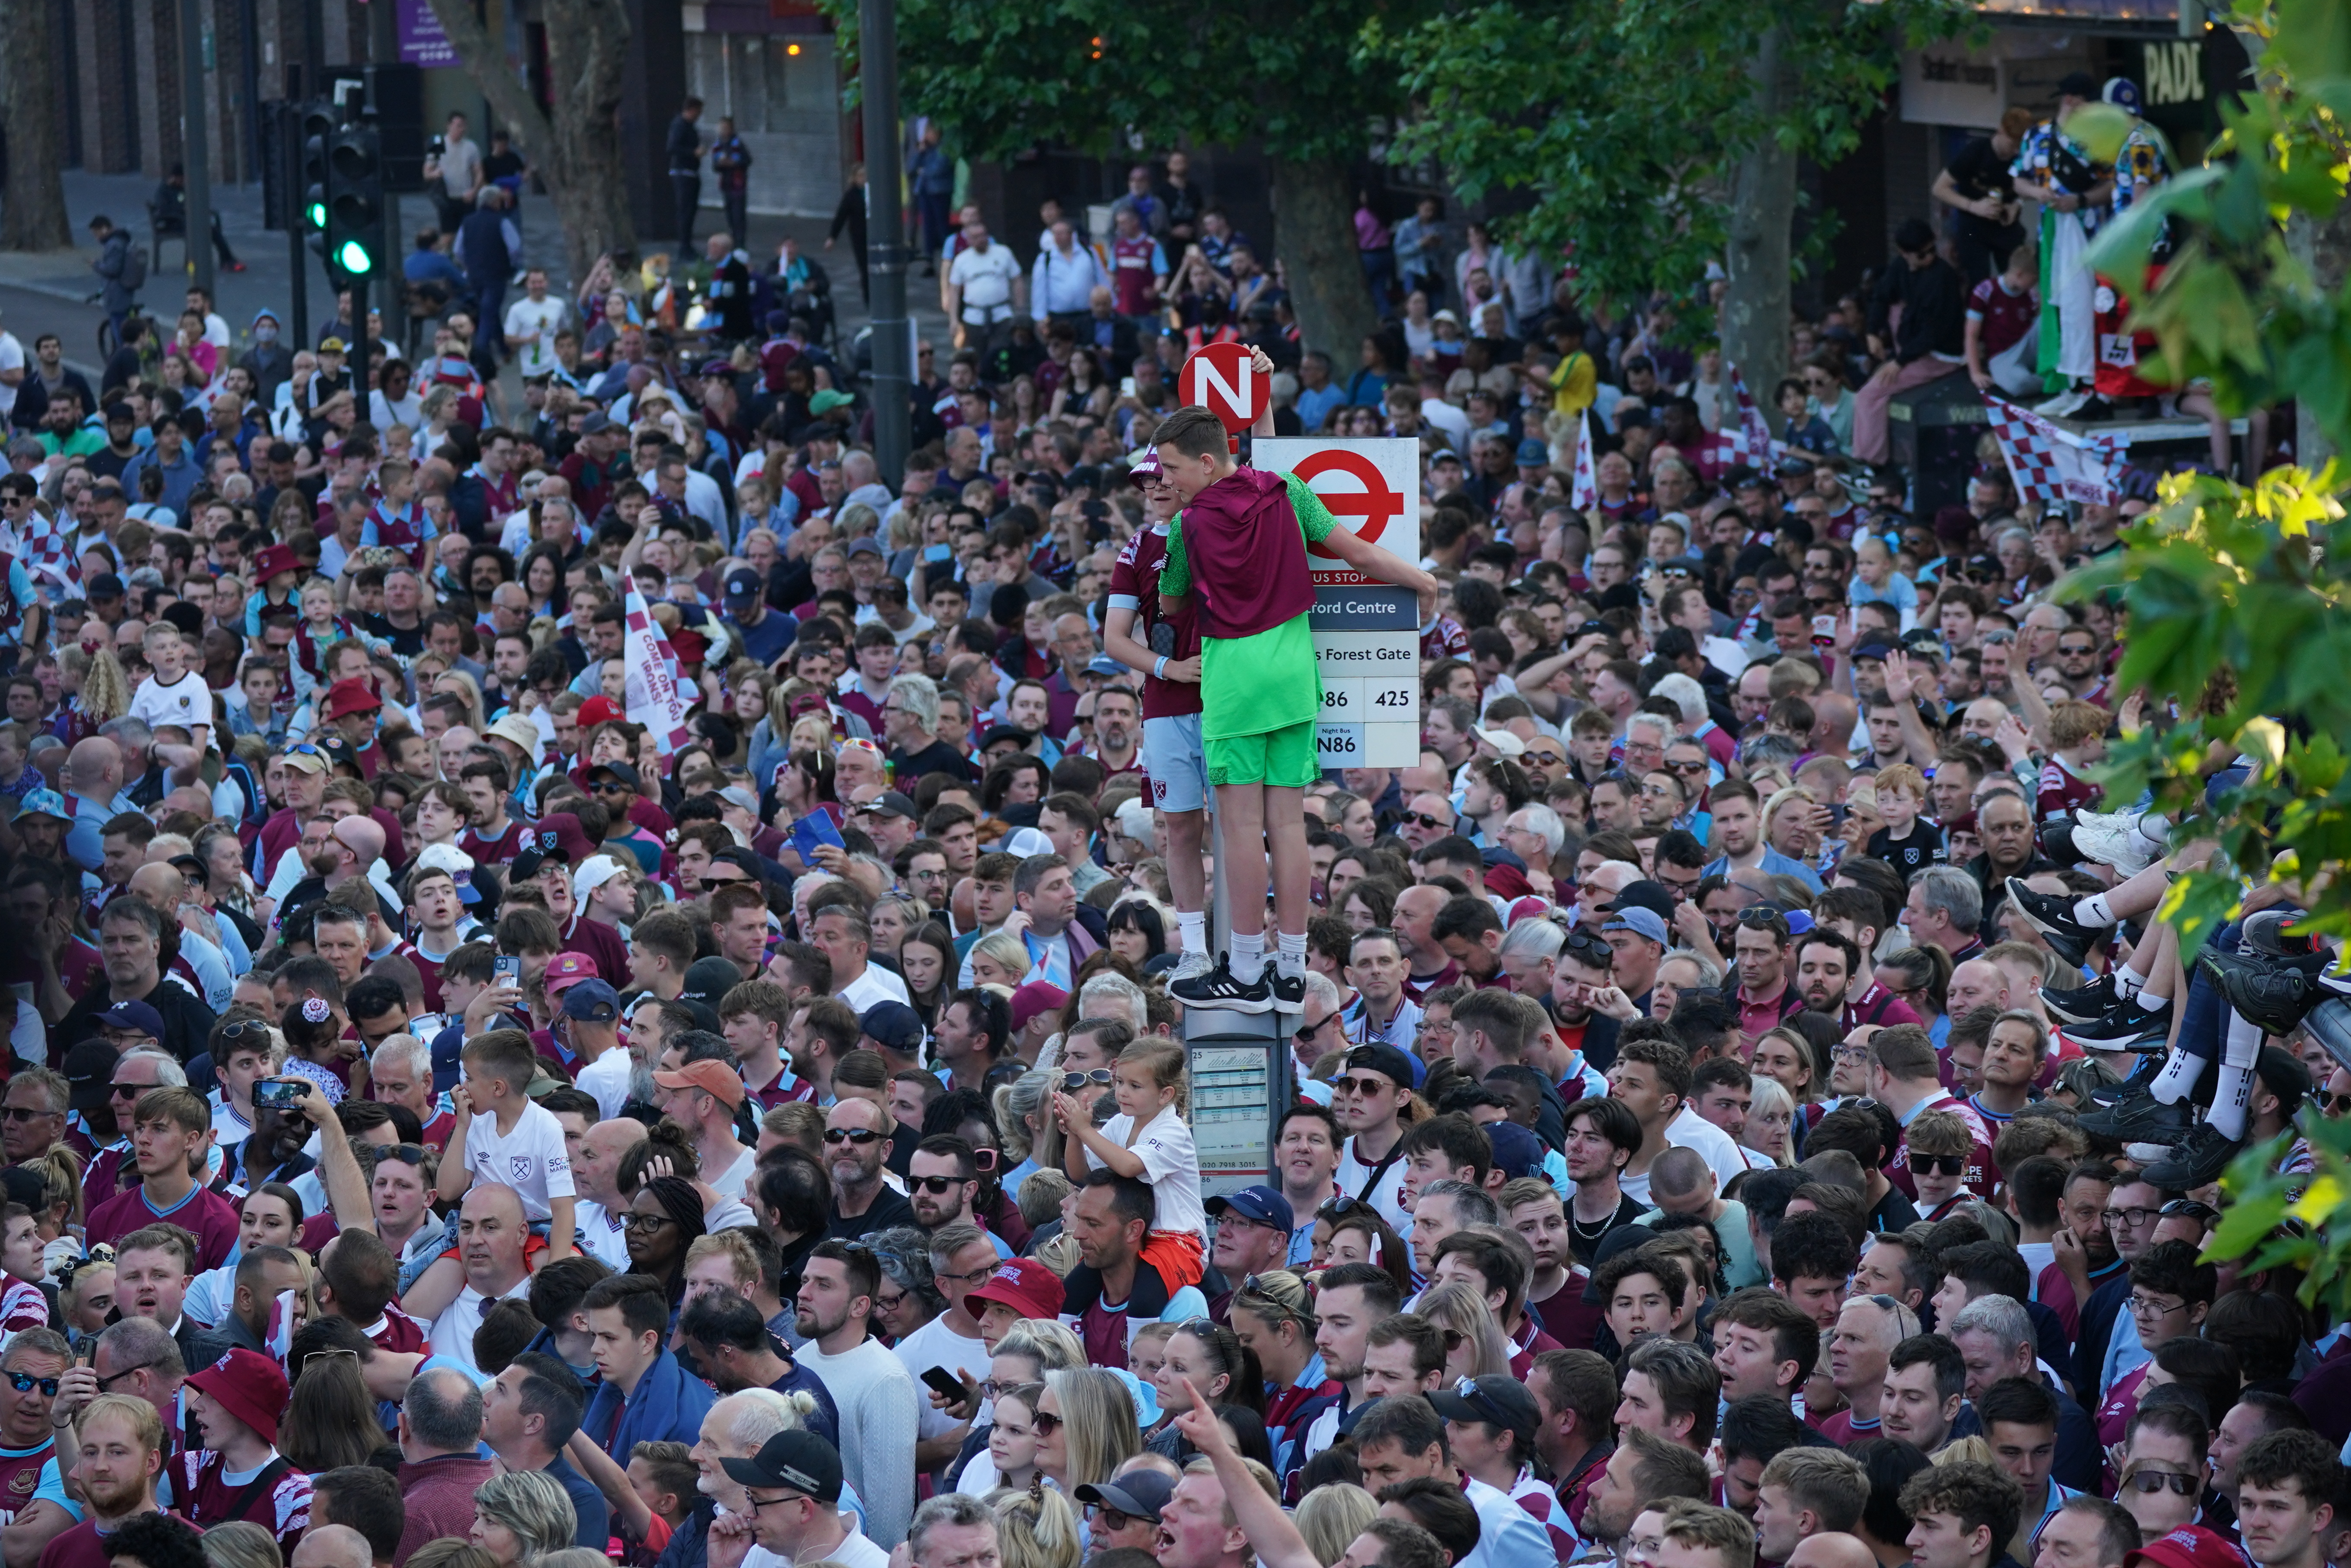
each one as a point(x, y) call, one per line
point(50, 291)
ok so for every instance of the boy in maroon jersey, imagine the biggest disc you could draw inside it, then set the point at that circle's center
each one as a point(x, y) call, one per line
point(1239, 549)
point(238, 1474)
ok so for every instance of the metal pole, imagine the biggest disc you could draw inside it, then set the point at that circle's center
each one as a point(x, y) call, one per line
point(885, 239)
point(297, 244)
point(195, 144)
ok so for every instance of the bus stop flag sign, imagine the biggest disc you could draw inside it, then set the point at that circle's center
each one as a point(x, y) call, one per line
point(1367, 634)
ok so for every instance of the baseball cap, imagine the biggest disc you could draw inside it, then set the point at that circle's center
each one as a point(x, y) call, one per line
point(1262, 1204)
point(1025, 1285)
point(1517, 1151)
point(591, 1002)
point(708, 978)
point(105, 586)
point(89, 1074)
point(592, 873)
point(1642, 923)
point(333, 345)
point(597, 423)
point(743, 586)
point(1653, 896)
point(1034, 998)
point(2190, 1546)
point(1504, 743)
point(249, 1386)
point(711, 1077)
point(892, 803)
point(566, 970)
point(1387, 1061)
point(1142, 1493)
point(824, 402)
point(1493, 1398)
point(135, 1015)
point(1532, 452)
point(624, 771)
point(796, 1460)
point(863, 545)
point(560, 837)
point(893, 1025)
point(599, 710)
point(457, 863)
point(1876, 650)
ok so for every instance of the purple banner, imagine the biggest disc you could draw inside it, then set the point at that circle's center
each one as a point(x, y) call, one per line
point(422, 40)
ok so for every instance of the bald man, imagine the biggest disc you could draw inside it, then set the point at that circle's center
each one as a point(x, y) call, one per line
point(333, 1546)
point(1978, 982)
point(452, 749)
point(94, 779)
point(491, 1231)
point(595, 1173)
point(1831, 1549)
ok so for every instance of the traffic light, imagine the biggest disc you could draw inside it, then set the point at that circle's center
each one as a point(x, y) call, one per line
point(355, 205)
point(314, 129)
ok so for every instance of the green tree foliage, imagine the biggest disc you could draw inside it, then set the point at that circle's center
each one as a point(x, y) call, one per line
point(2238, 597)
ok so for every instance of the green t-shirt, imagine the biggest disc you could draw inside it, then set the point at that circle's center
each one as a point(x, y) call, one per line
point(1253, 685)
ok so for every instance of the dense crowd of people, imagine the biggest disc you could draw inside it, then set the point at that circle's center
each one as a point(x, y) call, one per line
point(1743, 1106)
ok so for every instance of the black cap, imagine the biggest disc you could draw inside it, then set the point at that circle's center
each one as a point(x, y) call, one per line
point(1142, 1493)
point(796, 1460)
point(1387, 1061)
point(1653, 896)
point(1493, 1398)
point(623, 772)
point(708, 978)
point(90, 1073)
point(105, 586)
point(2078, 84)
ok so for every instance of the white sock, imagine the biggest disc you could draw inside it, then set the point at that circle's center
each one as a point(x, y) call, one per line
point(2178, 1077)
point(1248, 957)
point(2148, 1001)
point(1192, 931)
point(2093, 911)
point(1289, 954)
point(2233, 1091)
point(2129, 978)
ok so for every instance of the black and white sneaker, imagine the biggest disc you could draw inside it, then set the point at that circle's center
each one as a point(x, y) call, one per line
point(2051, 914)
point(2276, 993)
point(2121, 1026)
point(2141, 1118)
point(2195, 1160)
point(2083, 1003)
point(1217, 988)
point(1289, 990)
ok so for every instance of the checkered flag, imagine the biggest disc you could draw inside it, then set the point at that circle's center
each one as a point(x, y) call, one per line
point(2049, 462)
point(47, 549)
point(1754, 435)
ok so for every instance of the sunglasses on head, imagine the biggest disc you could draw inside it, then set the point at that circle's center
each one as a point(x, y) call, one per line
point(1072, 1082)
point(858, 1135)
point(406, 1153)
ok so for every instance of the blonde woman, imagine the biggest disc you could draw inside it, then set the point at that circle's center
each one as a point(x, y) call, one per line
point(241, 1543)
point(1770, 1121)
point(1000, 958)
point(1331, 1517)
point(458, 683)
point(1474, 1343)
point(1789, 825)
point(1091, 1431)
point(523, 1516)
point(1037, 1529)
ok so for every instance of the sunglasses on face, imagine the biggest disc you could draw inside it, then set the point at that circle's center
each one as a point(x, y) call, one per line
point(1938, 1164)
point(24, 1381)
point(1423, 818)
point(2148, 1482)
point(937, 1184)
point(1044, 1423)
point(861, 1137)
point(2329, 1105)
point(1358, 1086)
point(23, 1114)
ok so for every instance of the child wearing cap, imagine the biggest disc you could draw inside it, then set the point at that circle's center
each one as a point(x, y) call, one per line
point(1241, 546)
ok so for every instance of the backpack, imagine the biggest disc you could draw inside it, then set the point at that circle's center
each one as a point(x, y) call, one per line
point(134, 266)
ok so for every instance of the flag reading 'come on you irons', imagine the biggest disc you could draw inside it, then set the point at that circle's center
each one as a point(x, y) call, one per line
point(654, 699)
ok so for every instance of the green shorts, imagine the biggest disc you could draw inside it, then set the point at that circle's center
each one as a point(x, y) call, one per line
point(1282, 759)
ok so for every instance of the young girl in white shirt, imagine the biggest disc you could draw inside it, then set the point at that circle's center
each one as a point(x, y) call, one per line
point(1149, 1139)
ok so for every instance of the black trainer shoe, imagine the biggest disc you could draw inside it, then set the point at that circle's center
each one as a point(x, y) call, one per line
point(2121, 1026)
point(2051, 914)
point(2273, 992)
point(2195, 1160)
point(1288, 990)
point(2084, 1003)
point(2141, 1118)
point(1217, 988)
point(2265, 932)
point(2142, 1078)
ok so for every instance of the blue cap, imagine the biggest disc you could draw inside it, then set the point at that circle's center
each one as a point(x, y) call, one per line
point(893, 1024)
point(1262, 1204)
point(1517, 1151)
point(136, 1015)
point(1641, 922)
point(1532, 450)
point(267, 313)
point(591, 1002)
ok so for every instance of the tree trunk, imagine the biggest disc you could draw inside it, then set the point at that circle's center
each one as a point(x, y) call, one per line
point(2325, 249)
point(1754, 321)
point(1314, 205)
point(578, 155)
point(33, 207)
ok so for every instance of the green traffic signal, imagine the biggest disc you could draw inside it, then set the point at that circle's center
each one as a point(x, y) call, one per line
point(316, 214)
point(354, 259)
